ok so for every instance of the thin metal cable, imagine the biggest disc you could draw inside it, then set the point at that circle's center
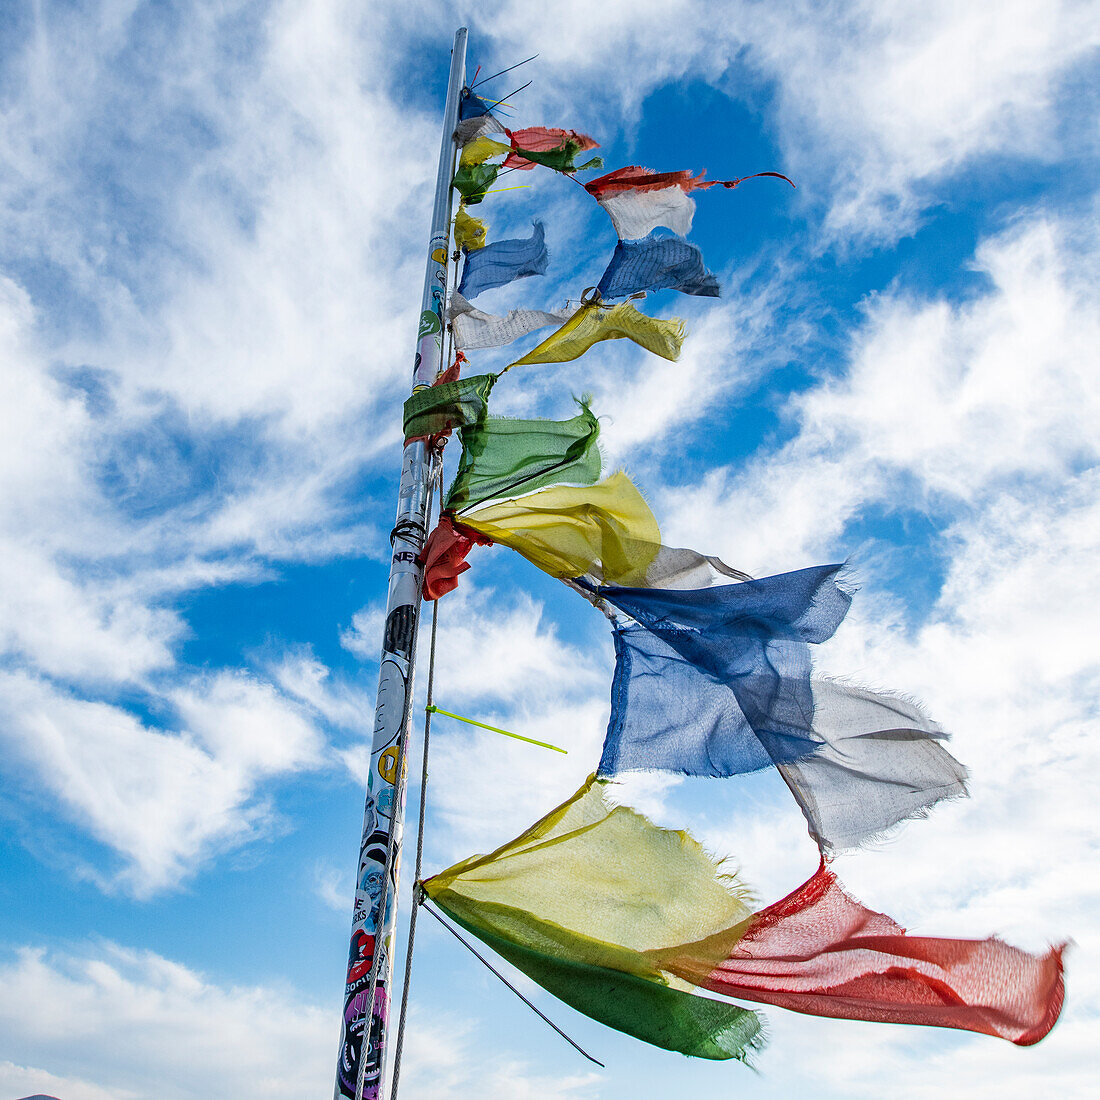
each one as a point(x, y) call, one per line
point(416, 874)
point(485, 962)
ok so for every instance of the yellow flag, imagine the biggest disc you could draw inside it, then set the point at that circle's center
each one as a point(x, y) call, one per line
point(469, 232)
point(480, 150)
point(606, 530)
point(621, 892)
point(594, 322)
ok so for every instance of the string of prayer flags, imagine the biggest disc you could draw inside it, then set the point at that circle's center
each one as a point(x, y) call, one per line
point(594, 322)
point(474, 329)
point(502, 262)
point(589, 901)
point(469, 232)
point(552, 148)
point(503, 457)
point(592, 889)
point(444, 556)
point(656, 263)
point(819, 951)
point(441, 408)
point(605, 530)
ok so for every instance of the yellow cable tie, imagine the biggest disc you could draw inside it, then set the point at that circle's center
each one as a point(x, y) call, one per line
point(495, 729)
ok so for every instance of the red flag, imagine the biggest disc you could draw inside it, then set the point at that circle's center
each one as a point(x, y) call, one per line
point(821, 952)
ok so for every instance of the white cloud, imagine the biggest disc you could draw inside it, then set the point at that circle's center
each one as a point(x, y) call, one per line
point(134, 1025)
point(941, 404)
point(164, 801)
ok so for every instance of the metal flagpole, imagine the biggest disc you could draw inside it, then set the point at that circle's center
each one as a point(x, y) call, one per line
point(359, 1073)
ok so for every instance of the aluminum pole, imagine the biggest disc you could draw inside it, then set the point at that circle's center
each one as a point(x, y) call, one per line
point(359, 1072)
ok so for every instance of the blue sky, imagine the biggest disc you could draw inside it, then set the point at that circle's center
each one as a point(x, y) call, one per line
point(211, 223)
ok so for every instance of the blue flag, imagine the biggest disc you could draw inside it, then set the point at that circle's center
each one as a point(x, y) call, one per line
point(657, 263)
point(501, 262)
point(716, 681)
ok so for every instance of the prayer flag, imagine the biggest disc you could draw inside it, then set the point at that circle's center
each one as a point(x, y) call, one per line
point(469, 231)
point(501, 262)
point(594, 322)
point(480, 150)
point(503, 457)
point(549, 147)
point(634, 214)
point(470, 129)
point(657, 263)
point(588, 901)
point(474, 329)
point(450, 405)
point(604, 530)
point(718, 682)
point(472, 181)
point(821, 952)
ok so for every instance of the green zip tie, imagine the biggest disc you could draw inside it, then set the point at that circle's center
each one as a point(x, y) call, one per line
point(496, 729)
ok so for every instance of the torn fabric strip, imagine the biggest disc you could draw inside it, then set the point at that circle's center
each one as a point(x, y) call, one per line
point(451, 405)
point(819, 951)
point(657, 263)
point(637, 178)
point(588, 900)
point(502, 262)
point(474, 329)
point(594, 322)
point(605, 530)
point(503, 457)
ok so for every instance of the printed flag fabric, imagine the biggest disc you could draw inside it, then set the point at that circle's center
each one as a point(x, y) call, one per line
point(469, 232)
point(634, 214)
point(444, 556)
point(657, 263)
point(502, 262)
point(594, 322)
point(549, 147)
point(589, 900)
point(502, 457)
point(441, 408)
point(821, 952)
point(474, 329)
point(604, 531)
